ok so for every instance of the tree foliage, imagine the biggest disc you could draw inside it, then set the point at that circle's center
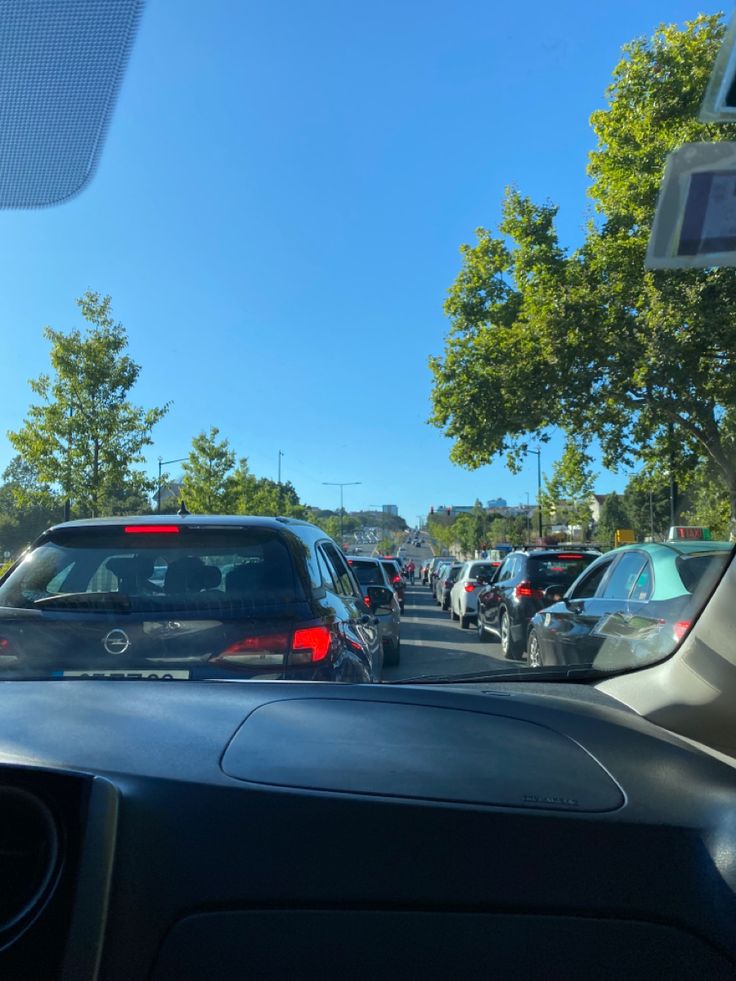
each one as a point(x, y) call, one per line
point(567, 492)
point(85, 436)
point(209, 484)
point(643, 361)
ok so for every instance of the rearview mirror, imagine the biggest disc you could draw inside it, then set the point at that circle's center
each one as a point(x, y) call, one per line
point(380, 597)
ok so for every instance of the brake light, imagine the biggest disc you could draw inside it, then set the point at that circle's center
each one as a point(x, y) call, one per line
point(367, 601)
point(313, 642)
point(561, 556)
point(6, 648)
point(152, 529)
point(525, 589)
point(680, 629)
point(469, 587)
point(396, 579)
point(246, 651)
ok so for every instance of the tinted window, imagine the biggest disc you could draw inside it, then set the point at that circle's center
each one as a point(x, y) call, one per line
point(507, 569)
point(623, 576)
point(589, 584)
point(202, 569)
point(481, 570)
point(700, 570)
point(368, 573)
point(339, 569)
point(556, 569)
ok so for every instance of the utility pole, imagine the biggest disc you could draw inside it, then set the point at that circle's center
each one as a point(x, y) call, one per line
point(538, 454)
point(280, 455)
point(163, 463)
point(341, 484)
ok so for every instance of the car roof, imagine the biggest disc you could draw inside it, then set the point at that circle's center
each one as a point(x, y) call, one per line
point(298, 527)
point(362, 558)
point(660, 549)
point(556, 552)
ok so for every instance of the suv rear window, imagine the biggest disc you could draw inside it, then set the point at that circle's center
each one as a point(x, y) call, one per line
point(367, 573)
point(553, 569)
point(216, 569)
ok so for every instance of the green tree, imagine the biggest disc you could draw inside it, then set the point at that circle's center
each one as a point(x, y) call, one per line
point(210, 485)
point(567, 492)
point(25, 508)
point(646, 499)
point(644, 361)
point(613, 515)
point(85, 436)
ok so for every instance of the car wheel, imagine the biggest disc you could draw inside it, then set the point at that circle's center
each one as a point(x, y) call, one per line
point(465, 621)
point(481, 626)
point(401, 607)
point(534, 651)
point(392, 654)
point(509, 646)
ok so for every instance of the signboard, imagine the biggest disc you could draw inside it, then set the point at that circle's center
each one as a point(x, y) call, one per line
point(624, 536)
point(688, 533)
point(695, 222)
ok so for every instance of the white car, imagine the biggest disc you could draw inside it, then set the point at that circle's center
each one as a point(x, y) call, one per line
point(464, 593)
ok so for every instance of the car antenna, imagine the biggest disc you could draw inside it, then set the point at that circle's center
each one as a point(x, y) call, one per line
point(183, 510)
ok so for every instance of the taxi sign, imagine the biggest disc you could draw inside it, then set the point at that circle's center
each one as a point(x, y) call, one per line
point(688, 533)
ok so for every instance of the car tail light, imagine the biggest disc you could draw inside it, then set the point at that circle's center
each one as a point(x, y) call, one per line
point(680, 629)
point(367, 601)
point(525, 589)
point(152, 529)
point(311, 644)
point(469, 587)
point(6, 648)
point(396, 579)
point(246, 650)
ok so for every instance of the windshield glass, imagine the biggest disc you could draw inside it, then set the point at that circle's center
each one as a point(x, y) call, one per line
point(194, 245)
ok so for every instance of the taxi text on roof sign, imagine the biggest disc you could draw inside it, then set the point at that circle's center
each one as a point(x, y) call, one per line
point(688, 533)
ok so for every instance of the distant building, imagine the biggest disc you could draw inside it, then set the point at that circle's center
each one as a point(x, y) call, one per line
point(595, 503)
point(497, 502)
point(390, 509)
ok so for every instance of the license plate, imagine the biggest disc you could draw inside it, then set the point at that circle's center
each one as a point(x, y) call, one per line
point(126, 675)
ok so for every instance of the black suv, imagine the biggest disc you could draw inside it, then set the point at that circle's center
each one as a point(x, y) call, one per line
point(525, 583)
point(187, 597)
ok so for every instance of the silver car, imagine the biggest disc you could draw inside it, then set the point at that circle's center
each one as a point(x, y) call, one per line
point(372, 572)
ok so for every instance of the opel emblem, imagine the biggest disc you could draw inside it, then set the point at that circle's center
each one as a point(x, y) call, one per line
point(116, 642)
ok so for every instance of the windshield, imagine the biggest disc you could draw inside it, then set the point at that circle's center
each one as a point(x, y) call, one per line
point(192, 244)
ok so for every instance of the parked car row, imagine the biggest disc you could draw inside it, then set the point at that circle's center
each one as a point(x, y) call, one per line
point(560, 606)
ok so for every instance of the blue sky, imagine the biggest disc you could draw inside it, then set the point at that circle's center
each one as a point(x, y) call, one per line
point(277, 215)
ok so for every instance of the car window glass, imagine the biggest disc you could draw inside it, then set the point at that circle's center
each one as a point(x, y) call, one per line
point(342, 577)
point(644, 583)
point(588, 586)
point(326, 571)
point(506, 570)
point(623, 576)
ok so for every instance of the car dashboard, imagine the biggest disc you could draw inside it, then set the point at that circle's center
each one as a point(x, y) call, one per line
point(234, 830)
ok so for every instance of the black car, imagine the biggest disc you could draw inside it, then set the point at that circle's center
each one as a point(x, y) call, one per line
point(525, 583)
point(187, 597)
point(371, 572)
point(393, 570)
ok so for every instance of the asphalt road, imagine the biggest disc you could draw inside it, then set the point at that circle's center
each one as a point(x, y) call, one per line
point(432, 643)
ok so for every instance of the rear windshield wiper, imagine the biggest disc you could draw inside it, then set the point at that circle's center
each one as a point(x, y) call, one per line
point(85, 601)
point(572, 675)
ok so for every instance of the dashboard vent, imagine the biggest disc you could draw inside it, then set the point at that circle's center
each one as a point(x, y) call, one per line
point(30, 859)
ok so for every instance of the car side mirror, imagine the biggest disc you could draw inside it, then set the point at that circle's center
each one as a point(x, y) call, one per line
point(380, 596)
point(572, 605)
point(553, 594)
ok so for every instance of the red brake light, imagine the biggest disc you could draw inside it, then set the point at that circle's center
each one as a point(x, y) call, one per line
point(396, 579)
point(367, 601)
point(312, 641)
point(525, 588)
point(6, 648)
point(561, 556)
point(680, 629)
point(152, 529)
point(469, 587)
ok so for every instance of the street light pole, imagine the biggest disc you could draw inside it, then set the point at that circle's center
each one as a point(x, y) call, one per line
point(539, 487)
point(163, 463)
point(341, 484)
point(280, 455)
